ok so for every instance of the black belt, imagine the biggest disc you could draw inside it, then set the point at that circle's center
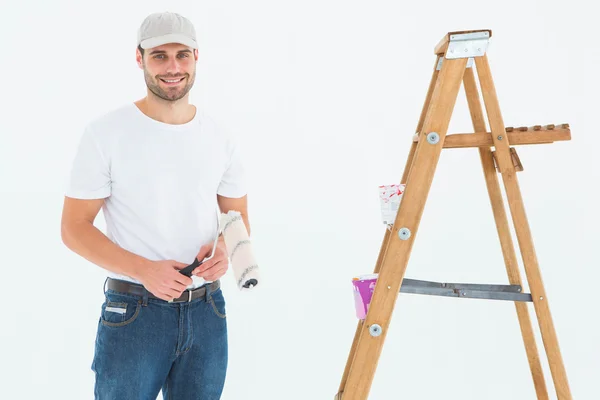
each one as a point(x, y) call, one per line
point(139, 290)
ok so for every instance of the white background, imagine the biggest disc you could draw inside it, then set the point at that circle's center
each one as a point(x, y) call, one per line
point(326, 96)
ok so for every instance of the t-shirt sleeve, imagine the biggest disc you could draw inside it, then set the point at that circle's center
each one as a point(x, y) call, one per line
point(233, 181)
point(90, 173)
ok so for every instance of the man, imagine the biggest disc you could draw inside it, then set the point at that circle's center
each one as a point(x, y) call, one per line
point(160, 170)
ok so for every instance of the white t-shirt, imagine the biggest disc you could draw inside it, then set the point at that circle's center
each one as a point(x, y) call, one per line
point(160, 181)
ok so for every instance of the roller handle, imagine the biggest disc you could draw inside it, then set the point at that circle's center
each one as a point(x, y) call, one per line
point(187, 271)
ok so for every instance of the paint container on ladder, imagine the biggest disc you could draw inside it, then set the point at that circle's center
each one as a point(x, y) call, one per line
point(390, 197)
point(239, 249)
point(364, 286)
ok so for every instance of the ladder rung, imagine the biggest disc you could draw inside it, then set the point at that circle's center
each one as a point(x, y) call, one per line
point(466, 290)
point(519, 136)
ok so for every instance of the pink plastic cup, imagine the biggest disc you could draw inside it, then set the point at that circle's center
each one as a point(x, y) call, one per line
point(364, 286)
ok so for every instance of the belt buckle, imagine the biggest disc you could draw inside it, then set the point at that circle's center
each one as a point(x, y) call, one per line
point(189, 300)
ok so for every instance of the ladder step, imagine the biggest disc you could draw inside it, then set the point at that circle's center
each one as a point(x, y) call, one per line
point(466, 290)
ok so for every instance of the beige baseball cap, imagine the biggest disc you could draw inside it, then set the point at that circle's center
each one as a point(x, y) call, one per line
point(166, 27)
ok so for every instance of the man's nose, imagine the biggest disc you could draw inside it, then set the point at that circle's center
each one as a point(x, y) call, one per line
point(173, 66)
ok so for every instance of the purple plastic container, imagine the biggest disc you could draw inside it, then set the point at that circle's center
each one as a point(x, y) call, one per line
point(364, 286)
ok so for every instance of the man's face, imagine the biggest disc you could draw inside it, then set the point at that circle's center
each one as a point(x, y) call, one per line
point(169, 70)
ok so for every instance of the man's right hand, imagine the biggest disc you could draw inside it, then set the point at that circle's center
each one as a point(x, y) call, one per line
point(163, 279)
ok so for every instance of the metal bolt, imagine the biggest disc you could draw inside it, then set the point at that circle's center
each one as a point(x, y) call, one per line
point(499, 137)
point(433, 137)
point(404, 233)
point(375, 330)
point(541, 297)
point(389, 287)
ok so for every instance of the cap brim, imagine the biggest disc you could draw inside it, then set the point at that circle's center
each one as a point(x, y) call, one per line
point(171, 38)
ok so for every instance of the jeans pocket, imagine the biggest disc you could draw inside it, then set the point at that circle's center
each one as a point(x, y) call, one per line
point(217, 303)
point(119, 310)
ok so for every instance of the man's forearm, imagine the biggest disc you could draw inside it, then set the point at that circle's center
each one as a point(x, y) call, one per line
point(90, 243)
point(246, 222)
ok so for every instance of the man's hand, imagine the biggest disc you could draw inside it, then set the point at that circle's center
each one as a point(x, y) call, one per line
point(163, 279)
point(216, 267)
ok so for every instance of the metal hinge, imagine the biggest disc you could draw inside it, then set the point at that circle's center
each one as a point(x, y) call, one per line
point(463, 45)
point(441, 61)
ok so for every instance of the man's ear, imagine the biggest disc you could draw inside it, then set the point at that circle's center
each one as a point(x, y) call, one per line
point(139, 59)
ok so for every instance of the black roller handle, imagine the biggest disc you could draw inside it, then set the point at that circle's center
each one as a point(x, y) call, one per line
point(187, 271)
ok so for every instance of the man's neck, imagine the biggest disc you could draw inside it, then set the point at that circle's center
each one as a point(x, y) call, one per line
point(174, 112)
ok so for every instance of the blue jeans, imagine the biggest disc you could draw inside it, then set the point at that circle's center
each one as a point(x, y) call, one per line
point(144, 345)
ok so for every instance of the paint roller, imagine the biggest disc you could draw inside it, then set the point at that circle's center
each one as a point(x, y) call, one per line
point(239, 250)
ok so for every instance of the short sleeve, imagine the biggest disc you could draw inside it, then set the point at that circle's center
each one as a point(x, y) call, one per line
point(233, 181)
point(90, 172)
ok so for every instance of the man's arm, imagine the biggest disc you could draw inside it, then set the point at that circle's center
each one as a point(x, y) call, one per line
point(80, 235)
point(239, 204)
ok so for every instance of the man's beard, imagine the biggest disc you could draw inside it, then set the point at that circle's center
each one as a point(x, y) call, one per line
point(169, 94)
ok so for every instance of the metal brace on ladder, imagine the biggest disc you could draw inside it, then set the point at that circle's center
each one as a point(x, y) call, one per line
point(465, 290)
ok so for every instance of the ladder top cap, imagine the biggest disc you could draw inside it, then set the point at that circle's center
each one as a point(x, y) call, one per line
point(442, 46)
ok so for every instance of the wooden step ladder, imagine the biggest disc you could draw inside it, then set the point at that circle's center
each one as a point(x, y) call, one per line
point(458, 54)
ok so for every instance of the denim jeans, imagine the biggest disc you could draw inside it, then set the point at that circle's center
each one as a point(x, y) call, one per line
point(144, 345)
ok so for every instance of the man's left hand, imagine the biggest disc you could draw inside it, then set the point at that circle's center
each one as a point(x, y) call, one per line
point(216, 267)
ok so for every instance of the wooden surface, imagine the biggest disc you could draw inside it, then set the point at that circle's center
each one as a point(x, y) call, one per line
point(395, 259)
point(523, 231)
point(504, 234)
point(528, 137)
point(418, 174)
point(386, 238)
